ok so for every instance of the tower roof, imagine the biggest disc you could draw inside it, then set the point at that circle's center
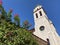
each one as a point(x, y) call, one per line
point(37, 8)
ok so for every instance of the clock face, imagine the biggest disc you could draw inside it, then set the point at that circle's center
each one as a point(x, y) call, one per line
point(42, 28)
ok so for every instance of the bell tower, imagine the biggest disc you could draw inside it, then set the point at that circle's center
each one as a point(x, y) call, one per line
point(43, 27)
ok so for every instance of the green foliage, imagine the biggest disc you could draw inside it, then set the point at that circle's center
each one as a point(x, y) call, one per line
point(17, 19)
point(26, 24)
point(9, 15)
point(3, 12)
point(10, 34)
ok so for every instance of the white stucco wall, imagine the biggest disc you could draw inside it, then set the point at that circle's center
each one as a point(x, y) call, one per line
point(49, 31)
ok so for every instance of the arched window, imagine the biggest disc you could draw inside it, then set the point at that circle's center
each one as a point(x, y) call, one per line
point(48, 42)
point(40, 13)
point(36, 15)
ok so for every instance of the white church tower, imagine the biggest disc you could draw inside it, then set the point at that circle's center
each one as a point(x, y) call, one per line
point(44, 28)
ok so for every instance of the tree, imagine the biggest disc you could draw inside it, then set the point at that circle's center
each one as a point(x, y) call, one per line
point(19, 36)
point(17, 19)
point(2, 11)
point(10, 34)
point(26, 24)
point(9, 15)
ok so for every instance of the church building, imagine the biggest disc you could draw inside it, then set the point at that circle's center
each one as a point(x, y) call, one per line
point(44, 29)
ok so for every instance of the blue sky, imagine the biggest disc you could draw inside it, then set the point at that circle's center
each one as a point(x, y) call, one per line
point(25, 10)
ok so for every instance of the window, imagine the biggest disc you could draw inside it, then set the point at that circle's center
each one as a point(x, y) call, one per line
point(42, 28)
point(48, 42)
point(36, 15)
point(40, 13)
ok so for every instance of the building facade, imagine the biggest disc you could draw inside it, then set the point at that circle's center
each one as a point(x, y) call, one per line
point(44, 28)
